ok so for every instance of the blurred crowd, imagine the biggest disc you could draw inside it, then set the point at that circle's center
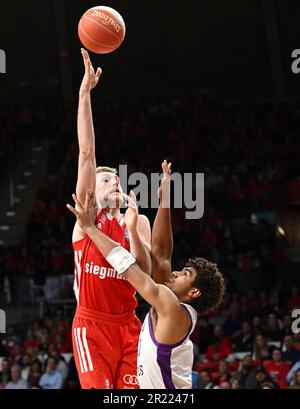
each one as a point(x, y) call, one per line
point(246, 151)
point(248, 343)
point(38, 355)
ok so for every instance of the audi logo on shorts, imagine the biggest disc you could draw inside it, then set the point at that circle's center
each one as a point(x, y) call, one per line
point(130, 379)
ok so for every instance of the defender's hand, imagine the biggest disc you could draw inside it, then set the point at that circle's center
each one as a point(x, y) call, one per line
point(91, 77)
point(164, 188)
point(86, 213)
point(132, 213)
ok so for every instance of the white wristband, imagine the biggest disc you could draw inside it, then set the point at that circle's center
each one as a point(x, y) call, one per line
point(120, 259)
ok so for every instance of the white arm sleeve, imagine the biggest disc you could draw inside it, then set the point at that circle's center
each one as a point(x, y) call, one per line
point(120, 259)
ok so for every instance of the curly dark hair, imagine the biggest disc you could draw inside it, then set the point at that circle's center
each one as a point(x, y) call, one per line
point(210, 282)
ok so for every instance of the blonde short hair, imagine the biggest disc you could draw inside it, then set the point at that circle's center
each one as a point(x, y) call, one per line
point(101, 169)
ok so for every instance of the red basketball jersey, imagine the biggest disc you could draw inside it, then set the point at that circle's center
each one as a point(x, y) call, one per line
point(97, 285)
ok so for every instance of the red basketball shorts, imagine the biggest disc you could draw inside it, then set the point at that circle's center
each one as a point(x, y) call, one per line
point(105, 349)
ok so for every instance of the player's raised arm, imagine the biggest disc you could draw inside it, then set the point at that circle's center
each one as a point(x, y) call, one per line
point(86, 178)
point(159, 296)
point(162, 237)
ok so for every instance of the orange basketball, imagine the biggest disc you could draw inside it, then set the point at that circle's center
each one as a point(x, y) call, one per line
point(101, 29)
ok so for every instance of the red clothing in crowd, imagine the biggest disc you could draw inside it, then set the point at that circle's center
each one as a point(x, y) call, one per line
point(217, 352)
point(278, 371)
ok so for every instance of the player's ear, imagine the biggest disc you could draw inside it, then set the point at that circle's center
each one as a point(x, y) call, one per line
point(195, 293)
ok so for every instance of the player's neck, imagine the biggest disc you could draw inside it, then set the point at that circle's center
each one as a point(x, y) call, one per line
point(114, 212)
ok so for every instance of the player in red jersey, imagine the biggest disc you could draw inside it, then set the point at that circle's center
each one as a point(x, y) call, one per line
point(105, 328)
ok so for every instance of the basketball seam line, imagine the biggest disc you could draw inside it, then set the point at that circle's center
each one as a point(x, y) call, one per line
point(103, 26)
point(91, 39)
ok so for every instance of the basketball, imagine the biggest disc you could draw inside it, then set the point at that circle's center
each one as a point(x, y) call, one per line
point(101, 29)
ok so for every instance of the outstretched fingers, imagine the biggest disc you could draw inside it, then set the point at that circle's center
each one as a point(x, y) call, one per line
point(132, 196)
point(86, 59)
point(77, 201)
point(131, 199)
point(71, 208)
point(166, 167)
point(98, 73)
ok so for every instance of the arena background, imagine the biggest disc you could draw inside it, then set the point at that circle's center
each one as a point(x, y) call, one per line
point(206, 84)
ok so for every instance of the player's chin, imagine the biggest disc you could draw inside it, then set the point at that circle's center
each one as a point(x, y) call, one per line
point(169, 285)
point(115, 200)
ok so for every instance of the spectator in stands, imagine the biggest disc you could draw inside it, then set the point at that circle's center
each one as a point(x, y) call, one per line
point(35, 373)
point(234, 322)
point(37, 330)
point(292, 372)
point(44, 341)
point(223, 373)
point(267, 385)
point(205, 381)
point(245, 308)
point(235, 383)
point(253, 301)
point(205, 334)
point(64, 340)
point(264, 308)
point(61, 365)
point(244, 342)
point(30, 341)
point(61, 343)
point(26, 366)
point(49, 325)
point(220, 347)
point(286, 326)
point(262, 376)
point(295, 384)
point(52, 378)
point(16, 381)
point(277, 369)
point(5, 374)
point(247, 374)
point(217, 318)
point(257, 326)
point(224, 385)
point(16, 353)
point(273, 329)
point(290, 354)
point(261, 350)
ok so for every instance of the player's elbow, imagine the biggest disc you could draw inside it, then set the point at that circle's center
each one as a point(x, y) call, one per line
point(159, 253)
point(158, 257)
point(161, 270)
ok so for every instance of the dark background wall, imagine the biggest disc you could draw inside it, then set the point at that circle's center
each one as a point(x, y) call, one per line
point(171, 47)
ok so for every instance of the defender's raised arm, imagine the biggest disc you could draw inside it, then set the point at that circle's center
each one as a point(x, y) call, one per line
point(162, 236)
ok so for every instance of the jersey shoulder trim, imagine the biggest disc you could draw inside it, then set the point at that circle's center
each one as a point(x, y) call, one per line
point(165, 346)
